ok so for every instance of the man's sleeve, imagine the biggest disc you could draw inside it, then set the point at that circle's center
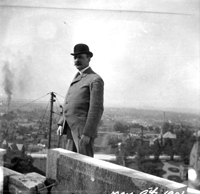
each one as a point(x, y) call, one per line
point(96, 108)
point(61, 121)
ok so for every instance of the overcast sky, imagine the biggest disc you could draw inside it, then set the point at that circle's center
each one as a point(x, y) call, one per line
point(147, 51)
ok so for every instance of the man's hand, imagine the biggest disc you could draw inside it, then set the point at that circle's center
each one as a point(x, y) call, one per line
point(60, 130)
point(84, 139)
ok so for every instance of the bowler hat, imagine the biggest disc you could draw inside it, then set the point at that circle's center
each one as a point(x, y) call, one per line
point(81, 49)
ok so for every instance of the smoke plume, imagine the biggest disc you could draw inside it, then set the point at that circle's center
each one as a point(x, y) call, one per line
point(7, 82)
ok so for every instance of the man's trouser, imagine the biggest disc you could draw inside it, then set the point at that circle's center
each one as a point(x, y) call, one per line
point(85, 149)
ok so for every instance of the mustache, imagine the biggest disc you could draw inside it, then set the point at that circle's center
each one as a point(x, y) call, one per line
point(78, 64)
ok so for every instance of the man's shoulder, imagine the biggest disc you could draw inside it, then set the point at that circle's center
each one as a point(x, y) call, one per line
point(93, 74)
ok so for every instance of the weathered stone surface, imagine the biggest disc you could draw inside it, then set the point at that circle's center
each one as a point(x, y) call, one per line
point(2, 153)
point(51, 165)
point(1, 179)
point(77, 173)
point(6, 173)
point(27, 184)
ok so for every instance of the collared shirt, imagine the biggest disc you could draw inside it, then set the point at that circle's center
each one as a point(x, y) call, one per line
point(84, 69)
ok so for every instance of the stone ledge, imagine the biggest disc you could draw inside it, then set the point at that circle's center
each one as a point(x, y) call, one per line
point(6, 174)
point(23, 183)
point(81, 174)
point(2, 153)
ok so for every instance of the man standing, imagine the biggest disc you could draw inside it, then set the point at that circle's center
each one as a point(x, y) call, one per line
point(83, 105)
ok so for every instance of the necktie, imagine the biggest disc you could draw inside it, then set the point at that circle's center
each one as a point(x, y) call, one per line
point(77, 74)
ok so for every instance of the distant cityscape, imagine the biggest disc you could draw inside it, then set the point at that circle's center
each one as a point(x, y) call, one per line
point(29, 125)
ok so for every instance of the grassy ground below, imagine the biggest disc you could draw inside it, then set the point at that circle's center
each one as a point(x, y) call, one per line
point(166, 169)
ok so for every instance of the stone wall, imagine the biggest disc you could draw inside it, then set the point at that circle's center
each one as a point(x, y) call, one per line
point(14, 182)
point(30, 183)
point(2, 152)
point(76, 173)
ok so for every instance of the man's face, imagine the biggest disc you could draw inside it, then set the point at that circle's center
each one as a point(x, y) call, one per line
point(81, 61)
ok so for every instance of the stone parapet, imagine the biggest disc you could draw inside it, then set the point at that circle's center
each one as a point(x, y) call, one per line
point(2, 153)
point(30, 183)
point(6, 174)
point(76, 173)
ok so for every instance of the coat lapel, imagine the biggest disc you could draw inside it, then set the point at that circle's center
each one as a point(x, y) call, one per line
point(79, 77)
